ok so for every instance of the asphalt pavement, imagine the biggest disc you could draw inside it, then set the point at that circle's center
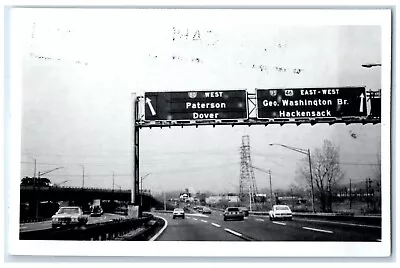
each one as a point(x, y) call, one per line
point(212, 227)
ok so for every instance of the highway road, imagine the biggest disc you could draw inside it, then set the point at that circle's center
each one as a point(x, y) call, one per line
point(199, 227)
point(34, 226)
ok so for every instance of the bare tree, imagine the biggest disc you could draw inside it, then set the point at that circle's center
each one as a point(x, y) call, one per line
point(326, 173)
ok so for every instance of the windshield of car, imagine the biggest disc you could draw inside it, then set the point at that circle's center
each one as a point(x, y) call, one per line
point(178, 210)
point(232, 209)
point(282, 208)
point(68, 211)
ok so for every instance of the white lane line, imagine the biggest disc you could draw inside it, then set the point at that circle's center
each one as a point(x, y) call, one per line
point(162, 229)
point(194, 219)
point(36, 222)
point(233, 232)
point(23, 227)
point(277, 222)
point(318, 230)
point(341, 223)
point(188, 217)
point(259, 219)
point(204, 221)
point(216, 225)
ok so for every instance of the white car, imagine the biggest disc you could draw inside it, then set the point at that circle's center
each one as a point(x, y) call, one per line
point(178, 212)
point(68, 217)
point(280, 212)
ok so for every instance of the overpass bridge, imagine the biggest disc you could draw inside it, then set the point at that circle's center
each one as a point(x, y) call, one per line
point(43, 201)
point(29, 193)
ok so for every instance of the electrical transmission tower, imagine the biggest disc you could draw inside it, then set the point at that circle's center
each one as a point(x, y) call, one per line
point(247, 184)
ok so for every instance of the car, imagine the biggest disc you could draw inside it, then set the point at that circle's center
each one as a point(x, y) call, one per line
point(206, 210)
point(280, 212)
point(233, 213)
point(97, 211)
point(245, 211)
point(68, 217)
point(178, 212)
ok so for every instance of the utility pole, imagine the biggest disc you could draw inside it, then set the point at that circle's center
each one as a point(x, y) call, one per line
point(350, 194)
point(270, 188)
point(165, 204)
point(291, 193)
point(250, 198)
point(113, 182)
point(312, 183)
point(83, 176)
point(367, 192)
point(34, 172)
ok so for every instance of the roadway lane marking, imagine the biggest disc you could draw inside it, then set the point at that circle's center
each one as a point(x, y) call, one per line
point(216, 225)
point(204, 221)
point(259, 219)
point(35, 222)
point(342, 223)
point(233, 232)
point(198, 215)
point(318, 230)
point(162, 229)
point(194, 219)
point(281, 223)
point(23, 227)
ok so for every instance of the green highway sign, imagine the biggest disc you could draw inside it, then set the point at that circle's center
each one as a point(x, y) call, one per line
point(335, 102)
point(196, 105)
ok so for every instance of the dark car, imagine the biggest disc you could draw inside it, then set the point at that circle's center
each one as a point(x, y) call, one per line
point(97, 211)
point(233, 213)
point(68, 217)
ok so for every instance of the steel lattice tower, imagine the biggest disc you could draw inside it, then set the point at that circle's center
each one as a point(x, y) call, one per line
point(247, 184)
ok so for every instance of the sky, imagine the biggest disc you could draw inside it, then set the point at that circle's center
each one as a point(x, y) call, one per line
point(79, 68)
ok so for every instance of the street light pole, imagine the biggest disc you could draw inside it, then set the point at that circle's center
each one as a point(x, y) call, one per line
point(83, 176)
point(38, 180)
point(312, 184)
point(141, 187)
point(305, 152)
point(113, 182)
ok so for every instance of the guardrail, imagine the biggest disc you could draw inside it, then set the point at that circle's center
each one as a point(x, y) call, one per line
point(342, 217)
point(100, 231)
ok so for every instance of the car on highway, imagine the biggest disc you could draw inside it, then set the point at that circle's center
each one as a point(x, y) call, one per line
point(233, 213)
point(245, 211)
point(68, 217)
point(280, 212)
point(178, 212)
point(206, 210)
point(97, 211)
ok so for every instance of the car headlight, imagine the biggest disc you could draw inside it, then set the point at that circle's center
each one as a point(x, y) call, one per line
point(74, 219)
point(55, 219)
